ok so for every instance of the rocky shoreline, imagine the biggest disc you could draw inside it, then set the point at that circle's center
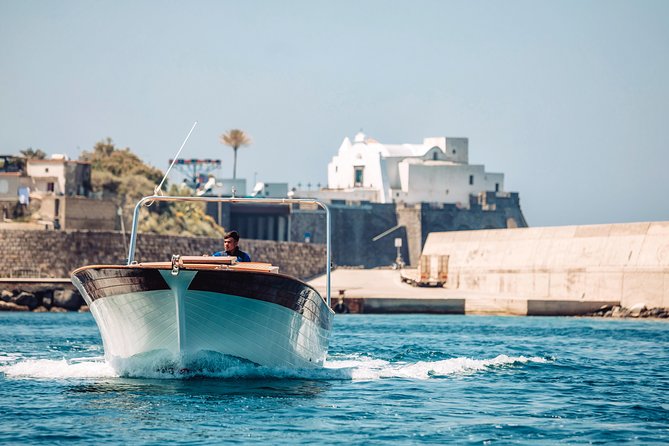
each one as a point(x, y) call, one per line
point(54, 300)
point(636, 312)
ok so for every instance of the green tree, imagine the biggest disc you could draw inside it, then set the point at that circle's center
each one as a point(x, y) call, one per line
point(235, 138)
point(179, 218)
point(122, 176)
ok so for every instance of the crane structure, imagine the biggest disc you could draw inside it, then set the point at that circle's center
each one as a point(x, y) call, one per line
point(195, 170)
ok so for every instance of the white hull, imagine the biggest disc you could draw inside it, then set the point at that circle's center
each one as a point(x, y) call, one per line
point(183, 323)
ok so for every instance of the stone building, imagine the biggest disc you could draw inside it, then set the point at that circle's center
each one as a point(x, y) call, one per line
point(378, 193)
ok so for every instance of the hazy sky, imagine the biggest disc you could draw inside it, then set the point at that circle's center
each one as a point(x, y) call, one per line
point(569, 99)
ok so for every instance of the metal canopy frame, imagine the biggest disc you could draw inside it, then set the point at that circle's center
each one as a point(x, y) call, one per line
point(166, 198)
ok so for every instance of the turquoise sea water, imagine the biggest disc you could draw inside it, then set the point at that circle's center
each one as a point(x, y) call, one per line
point(388, 380)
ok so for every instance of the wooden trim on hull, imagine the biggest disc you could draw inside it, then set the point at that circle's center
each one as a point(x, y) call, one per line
point(104, 281)
point(99, 282)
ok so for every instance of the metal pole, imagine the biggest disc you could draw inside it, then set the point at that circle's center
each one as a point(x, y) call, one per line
point(174, 160)
point(328, 252)
point(133, 234)
point(120, 216)
point(220, 210)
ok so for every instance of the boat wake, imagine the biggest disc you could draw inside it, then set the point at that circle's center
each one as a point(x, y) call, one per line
point(58, 369)
point(349, 367)
point(370, 369)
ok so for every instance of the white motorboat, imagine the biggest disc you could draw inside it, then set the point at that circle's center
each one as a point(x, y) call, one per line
point(198, 305)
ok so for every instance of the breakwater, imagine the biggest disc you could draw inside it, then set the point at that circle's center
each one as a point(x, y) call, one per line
point(30, 255)
point(573, 269)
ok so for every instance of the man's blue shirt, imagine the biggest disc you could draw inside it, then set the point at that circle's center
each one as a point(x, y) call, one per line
point(241, 255)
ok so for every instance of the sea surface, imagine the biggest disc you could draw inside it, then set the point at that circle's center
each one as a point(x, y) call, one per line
point(387, 380)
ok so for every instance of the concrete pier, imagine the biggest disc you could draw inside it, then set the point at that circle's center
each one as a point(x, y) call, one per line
point(569, 270)
point(570, 265)
point(382, 291)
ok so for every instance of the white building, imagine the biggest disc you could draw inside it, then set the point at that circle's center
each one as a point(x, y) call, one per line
point(436, 171)
point(59, 175)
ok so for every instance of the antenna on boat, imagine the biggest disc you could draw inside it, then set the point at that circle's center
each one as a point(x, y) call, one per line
point(157, 190)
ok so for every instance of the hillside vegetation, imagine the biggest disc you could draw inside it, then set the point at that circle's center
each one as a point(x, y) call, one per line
point(120, 175)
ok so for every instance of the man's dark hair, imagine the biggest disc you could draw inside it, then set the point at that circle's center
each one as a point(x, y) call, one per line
point(232, 234)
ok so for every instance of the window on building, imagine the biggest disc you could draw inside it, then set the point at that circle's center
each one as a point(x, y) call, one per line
point(49, 187)
point(434, 156)
point(46, 170)
point(471, 179)
point(358, 176)
point(496, 187)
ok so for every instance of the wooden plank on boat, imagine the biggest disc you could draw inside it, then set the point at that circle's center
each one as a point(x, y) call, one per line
point(255, 266)
point(218, 260)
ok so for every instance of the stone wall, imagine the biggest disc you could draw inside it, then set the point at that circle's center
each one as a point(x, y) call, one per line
point(411, 218)
point(354, 227)
point(353, 230)
point(626, 264)
point(486, 211)
point(56, 253)
point(84, 213)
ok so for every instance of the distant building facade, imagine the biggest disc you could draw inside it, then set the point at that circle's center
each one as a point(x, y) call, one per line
point(379, 192)
point(14, 187)
point(404, 191)
point(436, 171)
point(54, 192)
point(60, 176)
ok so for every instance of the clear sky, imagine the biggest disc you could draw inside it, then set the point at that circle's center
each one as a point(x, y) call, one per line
point(569, 99)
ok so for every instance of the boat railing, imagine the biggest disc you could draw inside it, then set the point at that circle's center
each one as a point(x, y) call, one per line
point(166, 198)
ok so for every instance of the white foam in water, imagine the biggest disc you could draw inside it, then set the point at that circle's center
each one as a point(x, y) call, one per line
point(216, 366)
point(58, 369)
point(8, 357)
point(370, 369)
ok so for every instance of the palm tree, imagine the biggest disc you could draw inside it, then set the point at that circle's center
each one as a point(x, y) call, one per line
point(235, 138)
point(31, 153)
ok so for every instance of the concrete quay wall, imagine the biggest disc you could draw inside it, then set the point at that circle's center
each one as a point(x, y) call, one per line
point(579, 266)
